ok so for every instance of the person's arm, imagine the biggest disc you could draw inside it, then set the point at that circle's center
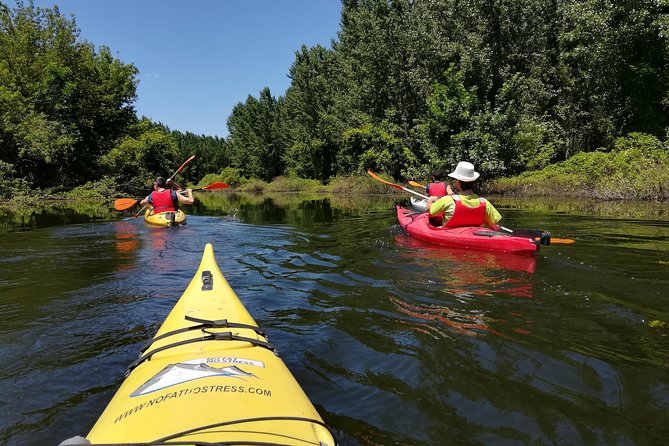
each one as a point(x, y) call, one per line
point(146, 201)
point(492, 216)
point(188, 198)
point(430, 202)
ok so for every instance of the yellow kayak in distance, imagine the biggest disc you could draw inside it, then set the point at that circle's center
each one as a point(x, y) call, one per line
point(165, 218)
point(210, 375)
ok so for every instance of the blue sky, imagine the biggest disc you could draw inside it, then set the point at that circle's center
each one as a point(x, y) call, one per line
point(198, 58)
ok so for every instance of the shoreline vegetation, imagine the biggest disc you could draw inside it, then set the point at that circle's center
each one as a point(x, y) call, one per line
point(637, 171)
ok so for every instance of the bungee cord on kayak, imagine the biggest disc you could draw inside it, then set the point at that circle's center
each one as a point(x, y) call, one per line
point(203, 324)
point(248, 420)
point(218, 336)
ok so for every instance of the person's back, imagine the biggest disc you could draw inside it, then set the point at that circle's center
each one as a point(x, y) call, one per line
point(436, 188)
point(465, 208)
point(166, 200)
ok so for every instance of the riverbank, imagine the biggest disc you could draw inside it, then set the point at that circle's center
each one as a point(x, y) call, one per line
point(636, 171)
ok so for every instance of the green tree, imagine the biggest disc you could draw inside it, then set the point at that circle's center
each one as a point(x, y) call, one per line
point(257, 136)
point(211, 154)
point(615, 80)
point(149, 150)
point(313, 130)
point(372, 148)
point(63, 104)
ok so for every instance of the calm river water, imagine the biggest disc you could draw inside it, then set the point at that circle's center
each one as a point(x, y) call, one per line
point(395, 342)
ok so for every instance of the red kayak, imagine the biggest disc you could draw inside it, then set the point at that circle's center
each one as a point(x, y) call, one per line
point(417, 224)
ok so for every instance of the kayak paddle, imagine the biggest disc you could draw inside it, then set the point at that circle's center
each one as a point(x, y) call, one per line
point(564, 241)
point(396, 186)
point(139, 212)
point(539, 235)
point(212, 186)
point(122, 204)
point(182, 166)
point(416, 184)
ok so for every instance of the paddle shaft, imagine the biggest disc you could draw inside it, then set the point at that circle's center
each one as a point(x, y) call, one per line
point(182, 166)
point(397, 186)
point(533, 233)
point(139, 212)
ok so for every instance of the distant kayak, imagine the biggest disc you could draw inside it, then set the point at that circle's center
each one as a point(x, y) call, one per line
point(417, 224)
point(165, 218)
point(210, 376)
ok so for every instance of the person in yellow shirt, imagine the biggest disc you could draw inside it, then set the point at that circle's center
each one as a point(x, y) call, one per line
point(464, 208)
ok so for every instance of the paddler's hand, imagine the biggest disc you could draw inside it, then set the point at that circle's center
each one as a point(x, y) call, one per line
point(185, 196)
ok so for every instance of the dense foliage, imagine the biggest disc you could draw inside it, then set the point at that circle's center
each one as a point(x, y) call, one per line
point(511, 85)
point(636, 169)
point(62, 104)
point(67, 113)
point(407, 86)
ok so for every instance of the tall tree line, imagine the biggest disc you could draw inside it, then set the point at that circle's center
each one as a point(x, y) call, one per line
point(510, 85)
point(407, 86)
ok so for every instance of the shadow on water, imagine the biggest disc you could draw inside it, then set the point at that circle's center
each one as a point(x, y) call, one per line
point(395, 341)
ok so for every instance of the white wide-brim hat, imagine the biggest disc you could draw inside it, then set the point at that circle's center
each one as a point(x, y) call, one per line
point(464, 171)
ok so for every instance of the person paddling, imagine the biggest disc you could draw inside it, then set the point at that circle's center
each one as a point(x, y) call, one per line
point(166, 200)
point(464, 208)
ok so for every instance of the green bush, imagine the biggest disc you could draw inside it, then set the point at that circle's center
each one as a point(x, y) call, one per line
point(253, 185)
point(228, 175)
point(637, 169)
point(294, 184)
point(100, 189)
point(360, 184)
point(9, 185)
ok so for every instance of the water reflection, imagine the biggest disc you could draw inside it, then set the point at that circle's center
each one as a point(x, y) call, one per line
point(460, 322)
point(472, 272)
point(127, 243)
point(476, 259)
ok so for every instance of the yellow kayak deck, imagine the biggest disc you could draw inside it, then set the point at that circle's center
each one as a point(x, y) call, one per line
point(210, 375)
point(165, 218)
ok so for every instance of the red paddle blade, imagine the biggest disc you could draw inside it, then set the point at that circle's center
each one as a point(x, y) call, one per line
point(122, 204)
point(215, 186)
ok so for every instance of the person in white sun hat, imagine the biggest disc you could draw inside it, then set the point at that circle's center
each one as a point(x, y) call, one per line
point(464, 208)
